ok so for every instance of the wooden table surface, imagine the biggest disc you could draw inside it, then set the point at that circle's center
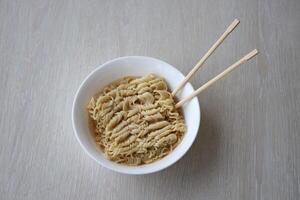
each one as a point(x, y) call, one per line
point(248, 143)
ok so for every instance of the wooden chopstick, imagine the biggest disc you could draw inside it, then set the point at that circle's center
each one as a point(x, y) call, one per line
point(204, 58)
point(210, 82)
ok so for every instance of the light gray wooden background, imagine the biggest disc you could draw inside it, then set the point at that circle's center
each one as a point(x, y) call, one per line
point(248, 144)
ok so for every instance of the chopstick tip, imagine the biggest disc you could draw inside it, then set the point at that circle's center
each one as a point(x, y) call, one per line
point(232, 25)
point(251, 54)
point(236, 21)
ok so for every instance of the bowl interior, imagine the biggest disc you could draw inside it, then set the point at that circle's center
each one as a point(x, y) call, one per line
point(132, 66)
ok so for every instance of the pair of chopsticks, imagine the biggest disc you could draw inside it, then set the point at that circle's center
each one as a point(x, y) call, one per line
point(247, 57)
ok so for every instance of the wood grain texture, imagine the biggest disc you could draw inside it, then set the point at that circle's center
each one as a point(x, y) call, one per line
point(248, 144)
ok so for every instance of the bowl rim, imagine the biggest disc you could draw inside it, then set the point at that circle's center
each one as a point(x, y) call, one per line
point(150, 170)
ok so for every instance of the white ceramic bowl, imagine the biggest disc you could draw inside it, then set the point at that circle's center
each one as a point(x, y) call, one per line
point(132, 66)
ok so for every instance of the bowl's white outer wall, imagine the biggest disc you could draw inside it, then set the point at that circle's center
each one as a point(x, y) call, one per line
point(132, 66)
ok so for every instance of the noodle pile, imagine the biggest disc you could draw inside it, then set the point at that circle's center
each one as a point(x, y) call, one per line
point(136, 121)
